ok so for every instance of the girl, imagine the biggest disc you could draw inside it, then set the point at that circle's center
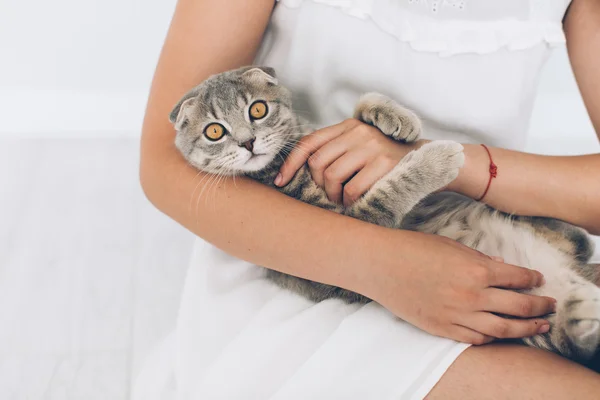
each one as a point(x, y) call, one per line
point(470, 70)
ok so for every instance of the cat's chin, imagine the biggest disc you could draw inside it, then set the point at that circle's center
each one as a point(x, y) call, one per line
point(257, 162)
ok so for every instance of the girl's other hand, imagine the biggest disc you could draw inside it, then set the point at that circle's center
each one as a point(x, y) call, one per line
point(450, 290)
point(345, 159)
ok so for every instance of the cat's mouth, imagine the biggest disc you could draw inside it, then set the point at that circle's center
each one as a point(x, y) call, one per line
point(257, 161)
point(254, 155)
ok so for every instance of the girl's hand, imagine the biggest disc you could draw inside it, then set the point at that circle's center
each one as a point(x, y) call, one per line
point(345, 159)
point(450, 290)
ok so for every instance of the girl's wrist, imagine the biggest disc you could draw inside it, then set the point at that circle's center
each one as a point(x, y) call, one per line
point(473, 176)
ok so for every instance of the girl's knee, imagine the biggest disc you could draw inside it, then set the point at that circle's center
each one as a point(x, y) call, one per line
point(503, 371)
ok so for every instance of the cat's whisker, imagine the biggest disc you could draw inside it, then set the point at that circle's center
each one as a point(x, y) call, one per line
point(206, 188)
point(210, 187)
point(207, 178)
point(301, 150)
point(196, 187)
point(219, 181)
point(203, 179)
point(292, 145)
point(218, 166)
point(221, 177)
point(280, 156)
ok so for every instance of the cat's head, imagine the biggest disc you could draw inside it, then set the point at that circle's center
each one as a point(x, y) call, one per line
point(235, 122)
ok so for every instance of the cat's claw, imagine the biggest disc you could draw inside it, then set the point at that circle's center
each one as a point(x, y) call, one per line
point(389, 117)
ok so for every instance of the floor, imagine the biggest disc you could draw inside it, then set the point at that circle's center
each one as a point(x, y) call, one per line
point(105, 268)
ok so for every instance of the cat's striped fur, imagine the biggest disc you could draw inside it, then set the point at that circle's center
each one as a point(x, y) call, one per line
point(405, 198)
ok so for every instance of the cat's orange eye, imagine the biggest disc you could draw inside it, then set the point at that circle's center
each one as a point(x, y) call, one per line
point(214, 132)
point(258, 110)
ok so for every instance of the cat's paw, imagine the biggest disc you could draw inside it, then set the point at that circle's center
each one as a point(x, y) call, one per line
point(437, 163)
point(582, 319)
point(389, 117)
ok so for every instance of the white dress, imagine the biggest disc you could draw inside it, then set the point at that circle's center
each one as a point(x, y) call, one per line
point(470, 69)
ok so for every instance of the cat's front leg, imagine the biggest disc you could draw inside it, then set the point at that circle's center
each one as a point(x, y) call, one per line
point(422, 172)
point(389, 117)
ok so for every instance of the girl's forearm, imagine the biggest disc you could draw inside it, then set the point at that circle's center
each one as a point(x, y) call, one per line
point(260, 225)
point(566, 188)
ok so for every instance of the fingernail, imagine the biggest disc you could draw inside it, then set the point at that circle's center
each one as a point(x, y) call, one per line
point(542, 281)
point(553, 304)
point(544, 328)
point(278, 179)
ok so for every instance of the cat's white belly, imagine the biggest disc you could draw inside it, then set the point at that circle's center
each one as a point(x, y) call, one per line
point(520, 246)
point(577, 318)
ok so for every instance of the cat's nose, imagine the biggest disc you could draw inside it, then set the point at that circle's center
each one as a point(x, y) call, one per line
point(248, 144)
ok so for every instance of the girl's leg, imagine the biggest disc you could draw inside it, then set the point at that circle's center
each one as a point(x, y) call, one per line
point(510, 371)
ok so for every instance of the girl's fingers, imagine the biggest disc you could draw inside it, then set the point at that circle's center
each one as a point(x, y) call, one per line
point(512, 277)
point(365, 179)
point(504, 328)
point(341, 170)
point(324, 158)
point(515, 304)
point(306, 147)
point(467, 335)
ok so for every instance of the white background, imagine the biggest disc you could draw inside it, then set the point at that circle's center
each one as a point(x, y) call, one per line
point(83, 67)
point(90, 273)
point(78, 66)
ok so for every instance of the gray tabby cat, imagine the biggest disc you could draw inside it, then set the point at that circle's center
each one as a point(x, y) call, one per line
point(241, 122)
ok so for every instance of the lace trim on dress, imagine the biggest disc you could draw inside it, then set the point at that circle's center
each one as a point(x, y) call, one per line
point(450, 37)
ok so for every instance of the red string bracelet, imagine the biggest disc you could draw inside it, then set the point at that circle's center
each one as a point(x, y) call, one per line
point(493, 172)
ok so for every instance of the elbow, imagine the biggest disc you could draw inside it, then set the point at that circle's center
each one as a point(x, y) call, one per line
point(149, 180)
point(145, 180)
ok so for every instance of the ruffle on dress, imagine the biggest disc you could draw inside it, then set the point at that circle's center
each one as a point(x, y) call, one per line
point(450, 37)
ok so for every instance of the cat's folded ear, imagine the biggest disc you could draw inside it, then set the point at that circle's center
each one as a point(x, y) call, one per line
point(180, 114)
point(260, 75)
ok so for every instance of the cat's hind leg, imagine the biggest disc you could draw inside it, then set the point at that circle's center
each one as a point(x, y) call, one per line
point(389, 117)
point(581, 319)
point(422, 172)
point(575, 327)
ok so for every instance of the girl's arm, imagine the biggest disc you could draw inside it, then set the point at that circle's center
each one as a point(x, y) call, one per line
point(566, 188)
point(243, 218)
point(450, 292)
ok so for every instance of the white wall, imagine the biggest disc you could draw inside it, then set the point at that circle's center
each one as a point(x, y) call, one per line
point(560, 123)
point(85, 66)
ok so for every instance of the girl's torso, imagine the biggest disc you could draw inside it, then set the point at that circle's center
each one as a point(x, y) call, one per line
point(469, 68)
